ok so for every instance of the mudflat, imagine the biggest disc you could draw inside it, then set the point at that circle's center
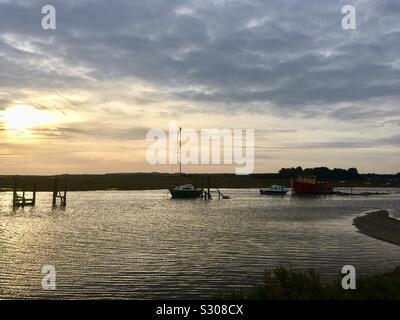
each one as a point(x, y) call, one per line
point(379, 225)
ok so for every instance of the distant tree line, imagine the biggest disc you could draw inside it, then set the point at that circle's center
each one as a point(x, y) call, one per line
point(322, 173)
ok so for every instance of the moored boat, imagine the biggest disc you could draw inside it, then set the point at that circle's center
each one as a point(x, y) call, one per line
point(274, 190)
point(310, 185)
point(186, 191)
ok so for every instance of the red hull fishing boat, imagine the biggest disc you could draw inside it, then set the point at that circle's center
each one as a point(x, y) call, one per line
point(310, 185)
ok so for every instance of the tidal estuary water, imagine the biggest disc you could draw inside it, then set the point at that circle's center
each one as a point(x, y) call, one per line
point(142, 244)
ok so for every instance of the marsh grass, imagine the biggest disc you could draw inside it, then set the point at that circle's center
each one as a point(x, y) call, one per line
point(290, 284)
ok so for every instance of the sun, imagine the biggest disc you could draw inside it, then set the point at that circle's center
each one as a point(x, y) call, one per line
point(23, 117)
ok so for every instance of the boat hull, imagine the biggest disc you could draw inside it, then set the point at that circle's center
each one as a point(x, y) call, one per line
point(312, 188)
point(185, 194)
point(271, 192)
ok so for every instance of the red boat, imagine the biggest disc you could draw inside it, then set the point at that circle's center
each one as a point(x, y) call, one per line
point(310, 185)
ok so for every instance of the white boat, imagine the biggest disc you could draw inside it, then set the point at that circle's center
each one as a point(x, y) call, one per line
point(274, 189)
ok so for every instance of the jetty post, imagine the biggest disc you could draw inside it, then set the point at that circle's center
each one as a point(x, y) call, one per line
point(34, 194)
point(22, 200)
point(15, 192)
point(209, 197)
point(23, 196)
point(57, 194)
point(206, 193)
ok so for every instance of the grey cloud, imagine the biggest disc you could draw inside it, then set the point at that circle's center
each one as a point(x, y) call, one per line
point(90, 131)
point(247, 55)
point(392, 140)
point(341, 144)
point(360, 113)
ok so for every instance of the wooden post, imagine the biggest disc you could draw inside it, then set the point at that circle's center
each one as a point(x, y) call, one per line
point(64, 202)
point(34, 194)
point(23, 197)
point(22, 200)
point(55, 193)
point(202, 188)
point(15, 193)
point(208, 189)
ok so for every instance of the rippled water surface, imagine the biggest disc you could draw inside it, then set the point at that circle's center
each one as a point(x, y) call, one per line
point(141, 244)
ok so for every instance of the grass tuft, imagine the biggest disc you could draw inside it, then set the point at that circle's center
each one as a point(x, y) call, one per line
point(289, 284)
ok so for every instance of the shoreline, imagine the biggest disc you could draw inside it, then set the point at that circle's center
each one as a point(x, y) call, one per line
point(379, 225)
point(89, 189)
point(154, 181)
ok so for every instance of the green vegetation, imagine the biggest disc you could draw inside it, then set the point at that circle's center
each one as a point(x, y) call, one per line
point(143, 181)
point(323, 173)
point(289, 284)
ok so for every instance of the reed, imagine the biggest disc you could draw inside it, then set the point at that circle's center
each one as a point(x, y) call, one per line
point(290, 284)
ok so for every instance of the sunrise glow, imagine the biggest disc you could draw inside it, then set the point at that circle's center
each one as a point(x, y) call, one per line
point(22, 117)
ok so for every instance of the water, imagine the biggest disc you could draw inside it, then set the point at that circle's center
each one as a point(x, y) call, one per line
point(142, 245)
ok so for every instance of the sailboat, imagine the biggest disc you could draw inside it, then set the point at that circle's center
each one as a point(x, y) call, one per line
point(185, 191)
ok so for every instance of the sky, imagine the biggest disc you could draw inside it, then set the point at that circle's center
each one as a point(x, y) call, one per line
point(81, 98)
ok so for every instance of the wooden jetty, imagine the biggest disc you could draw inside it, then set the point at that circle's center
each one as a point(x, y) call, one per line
point(366, 193)
point(206, 193)
point(59, 195)
point(19, 196)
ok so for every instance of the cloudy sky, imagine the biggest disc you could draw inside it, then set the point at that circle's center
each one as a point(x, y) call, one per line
point(315, 94)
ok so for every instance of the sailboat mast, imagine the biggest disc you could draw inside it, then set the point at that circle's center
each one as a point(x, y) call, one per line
point(180, 150)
